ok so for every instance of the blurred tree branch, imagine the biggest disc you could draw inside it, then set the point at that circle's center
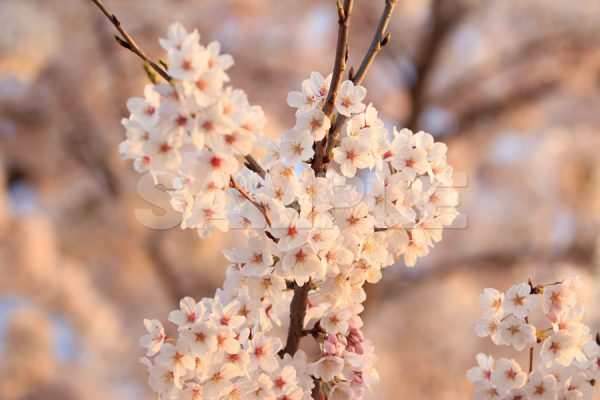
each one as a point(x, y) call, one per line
point(523, 57)
point(494, 108)
point(530, 51)
point(582, 254)
point(445, 16)
point(163, 268)
point(519, 96)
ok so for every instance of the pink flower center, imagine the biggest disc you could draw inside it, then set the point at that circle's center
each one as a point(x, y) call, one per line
point(292, 231)
point(164, 148)
point(181, 121)
point(150, 110)
point(187, 65)
point(216, 161)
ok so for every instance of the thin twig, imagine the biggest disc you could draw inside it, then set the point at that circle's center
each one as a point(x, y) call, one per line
point(248, 197)
point(531, 348)
point(315, 331)
point(380, 39)
point(339, 66)
point(128, 41)
point(341, 55)
point(530, 359)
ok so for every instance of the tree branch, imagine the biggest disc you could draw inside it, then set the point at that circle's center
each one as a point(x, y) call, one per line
point(297, 314)
point(315, 331)
point(380, 39)
point(443, 23)
point(323, 148)
point(128, 41)
point(339, 66)
point(495, 108)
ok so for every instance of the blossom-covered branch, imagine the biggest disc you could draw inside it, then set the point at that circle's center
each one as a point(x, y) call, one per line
point(248, 197)
point(308, 229)
point(130, 44)
point(380, 39)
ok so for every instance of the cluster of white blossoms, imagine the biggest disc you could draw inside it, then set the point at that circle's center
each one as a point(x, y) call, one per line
point(567, 364)
point(193, 130)
point(222, 351)
point(329, 232)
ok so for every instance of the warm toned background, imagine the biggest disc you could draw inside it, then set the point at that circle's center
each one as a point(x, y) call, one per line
point(512, 86)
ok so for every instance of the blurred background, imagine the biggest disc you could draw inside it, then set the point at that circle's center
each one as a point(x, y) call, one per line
point(512, 86)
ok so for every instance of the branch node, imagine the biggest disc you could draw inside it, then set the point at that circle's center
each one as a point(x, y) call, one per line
point(386, 39)
point(123, 43)
point(341, 13)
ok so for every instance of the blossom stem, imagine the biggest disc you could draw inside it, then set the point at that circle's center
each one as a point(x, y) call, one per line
point(551, 284)
point(506, 317)
point(130, 44)
point(530, 350)
point(248, 197)
point(530, 359)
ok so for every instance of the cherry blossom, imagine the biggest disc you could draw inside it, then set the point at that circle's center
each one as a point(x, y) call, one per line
point(155, 337)
point(349, 100)
point(353, 154)
point(565, 363)
point(507, 375)
point(519, 300)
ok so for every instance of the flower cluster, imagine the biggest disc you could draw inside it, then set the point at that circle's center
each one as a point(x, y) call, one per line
point(193, 130)
point(568, 360)
point(329, 232)
point(222, 351)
